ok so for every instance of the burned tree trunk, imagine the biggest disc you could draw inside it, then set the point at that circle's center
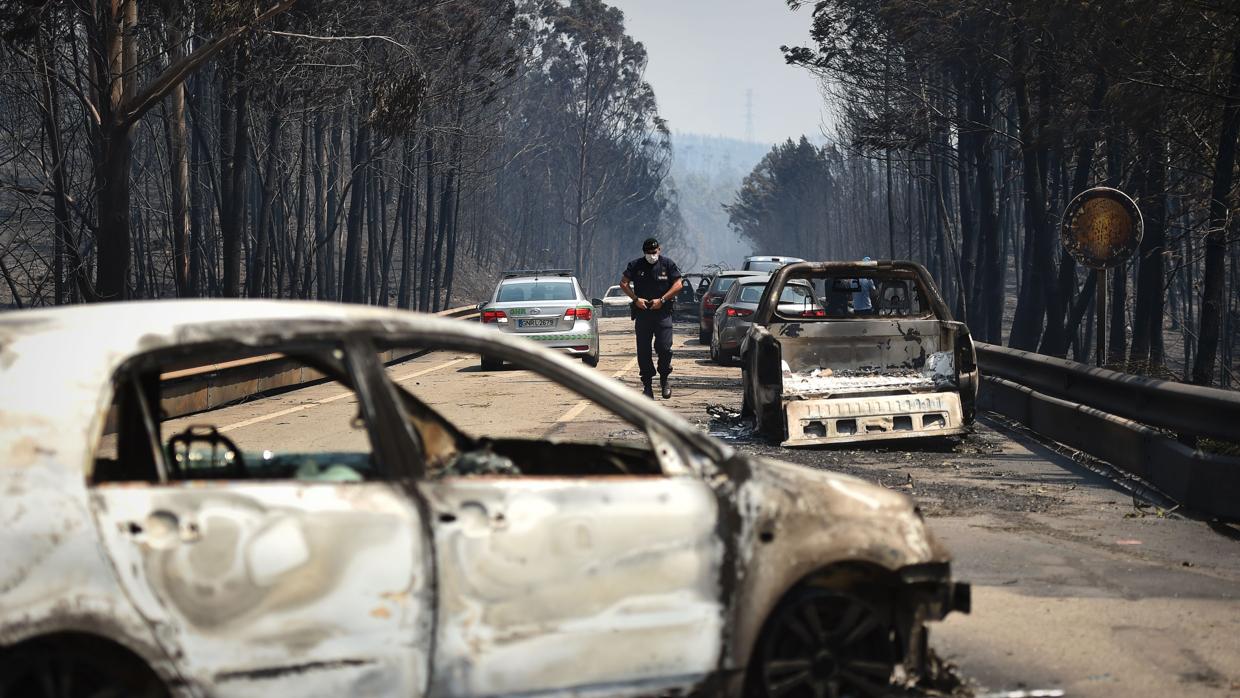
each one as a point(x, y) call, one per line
point(1212, 304)
point(1147, 340)
point(353, 291)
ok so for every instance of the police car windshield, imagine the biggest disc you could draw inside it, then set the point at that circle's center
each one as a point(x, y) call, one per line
point(519, 291)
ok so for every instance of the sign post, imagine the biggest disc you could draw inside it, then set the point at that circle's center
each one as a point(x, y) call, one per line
point(1101, 228)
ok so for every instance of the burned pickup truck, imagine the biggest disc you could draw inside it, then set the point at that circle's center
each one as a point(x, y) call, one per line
point(874, 354)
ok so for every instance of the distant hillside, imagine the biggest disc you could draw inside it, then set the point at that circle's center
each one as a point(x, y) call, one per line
point(707, 171)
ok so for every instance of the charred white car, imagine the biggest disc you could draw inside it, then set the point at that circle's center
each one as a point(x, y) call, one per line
point(877, 357)
point(409, 559)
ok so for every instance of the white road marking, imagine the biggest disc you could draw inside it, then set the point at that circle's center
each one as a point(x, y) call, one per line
point(329, 399)
point(576, 410)
point(425, 371)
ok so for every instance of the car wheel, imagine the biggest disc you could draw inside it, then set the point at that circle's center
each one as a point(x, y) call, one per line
point(714, 349)
point(823, 642)
point(590, 360)
point(68, 668)
point(492, 364)
point(703, 336)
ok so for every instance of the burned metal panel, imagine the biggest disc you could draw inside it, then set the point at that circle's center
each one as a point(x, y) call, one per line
point(296, 588)
point(55, 576)
point(874, 344)
point(875, 418)
point(856, 379)
point(537, 573)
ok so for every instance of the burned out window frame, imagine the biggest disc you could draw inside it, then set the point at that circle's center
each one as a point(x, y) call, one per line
point(768, 310)
point(141, 373)
point(693, 450)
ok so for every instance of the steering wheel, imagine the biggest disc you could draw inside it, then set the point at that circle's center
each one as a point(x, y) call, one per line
point(208, 434)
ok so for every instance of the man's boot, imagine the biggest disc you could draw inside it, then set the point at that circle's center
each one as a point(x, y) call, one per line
point(667, 388)
point(648, 390)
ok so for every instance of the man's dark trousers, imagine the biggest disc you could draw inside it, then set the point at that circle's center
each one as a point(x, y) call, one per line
point(654, 326)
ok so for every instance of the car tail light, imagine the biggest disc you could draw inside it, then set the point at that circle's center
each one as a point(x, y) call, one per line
point(579, 313)
point(814, 313)
point(738, 312)
point(583, 347)
point(713, 301)
point(489, 316)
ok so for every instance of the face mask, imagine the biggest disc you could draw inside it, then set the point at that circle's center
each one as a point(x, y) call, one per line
point(652, 258)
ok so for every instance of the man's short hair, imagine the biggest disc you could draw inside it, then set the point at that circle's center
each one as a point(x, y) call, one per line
point(650, 245)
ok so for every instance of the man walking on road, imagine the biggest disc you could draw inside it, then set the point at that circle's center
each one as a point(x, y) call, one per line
point(653, 281)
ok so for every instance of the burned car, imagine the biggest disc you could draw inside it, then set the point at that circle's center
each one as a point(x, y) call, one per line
point(881, 358)
point(152, 549)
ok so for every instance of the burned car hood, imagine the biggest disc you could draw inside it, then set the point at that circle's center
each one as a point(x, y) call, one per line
point(854, 518)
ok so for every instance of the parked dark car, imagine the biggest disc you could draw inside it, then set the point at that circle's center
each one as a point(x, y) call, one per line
point(712, 297)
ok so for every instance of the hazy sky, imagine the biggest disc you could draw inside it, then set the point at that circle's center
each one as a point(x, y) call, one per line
point(704, 54)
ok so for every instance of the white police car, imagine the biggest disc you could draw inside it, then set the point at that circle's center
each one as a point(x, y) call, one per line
point(548, 307)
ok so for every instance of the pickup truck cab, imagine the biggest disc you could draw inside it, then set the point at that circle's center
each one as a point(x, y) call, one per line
point(883, 359)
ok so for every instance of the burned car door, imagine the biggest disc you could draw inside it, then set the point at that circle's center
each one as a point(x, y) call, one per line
point(270, 545)
point(564, 566)
point(557, 583)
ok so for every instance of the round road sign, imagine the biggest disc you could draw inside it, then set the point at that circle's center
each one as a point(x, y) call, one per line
point(1101, 227)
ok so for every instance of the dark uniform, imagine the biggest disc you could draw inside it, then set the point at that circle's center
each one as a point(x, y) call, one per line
point(651, 281)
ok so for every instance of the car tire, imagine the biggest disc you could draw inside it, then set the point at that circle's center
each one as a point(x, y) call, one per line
point(46, 667)
point(851, 651)
point(491, 363)
point(590, 360)
point(703, 336)
point(714, 350)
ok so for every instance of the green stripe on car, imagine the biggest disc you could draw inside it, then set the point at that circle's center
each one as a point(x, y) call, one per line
point(561, 337)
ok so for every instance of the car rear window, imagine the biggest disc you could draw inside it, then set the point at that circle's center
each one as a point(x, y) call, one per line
point(724, 283)
point(752, 294)
point(795, 294)
point(536, 291)
point(895, 294)
point(614, 292)
point(763, 266)
point(790, 294)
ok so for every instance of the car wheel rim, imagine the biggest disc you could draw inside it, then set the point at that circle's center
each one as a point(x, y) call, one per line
point(827, 645)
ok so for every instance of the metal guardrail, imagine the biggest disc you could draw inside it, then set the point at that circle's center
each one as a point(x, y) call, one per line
point(1124, 420)
point(1188, 410)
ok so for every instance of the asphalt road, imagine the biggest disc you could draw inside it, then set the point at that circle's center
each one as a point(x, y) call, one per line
point(1081, 583)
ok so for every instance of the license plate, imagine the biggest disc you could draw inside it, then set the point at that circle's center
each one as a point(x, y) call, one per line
point(546, 322)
